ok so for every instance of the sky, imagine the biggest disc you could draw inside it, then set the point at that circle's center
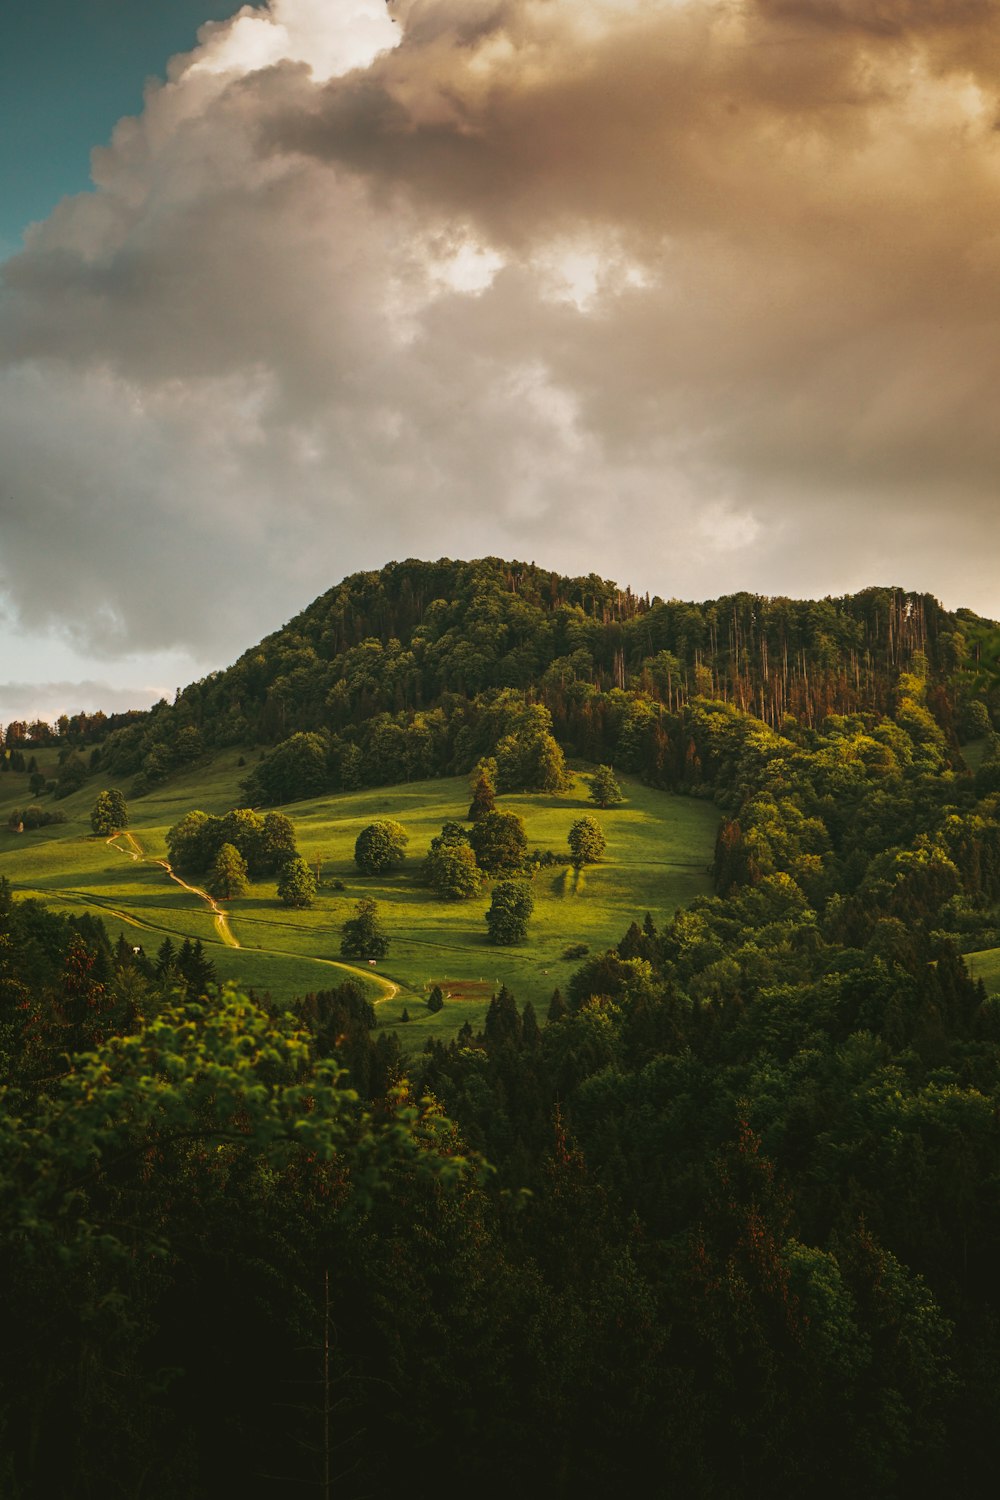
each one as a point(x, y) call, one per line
point(700, 295)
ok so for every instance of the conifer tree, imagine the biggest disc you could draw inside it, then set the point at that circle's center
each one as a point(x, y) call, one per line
point(484, 793)
point(363, 935)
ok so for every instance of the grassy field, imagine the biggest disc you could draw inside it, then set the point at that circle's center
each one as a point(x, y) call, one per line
point(659, 850)
point(985, 966)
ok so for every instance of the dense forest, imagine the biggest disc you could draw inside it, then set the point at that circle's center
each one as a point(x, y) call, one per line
point(420, 668)
point(727, 1215)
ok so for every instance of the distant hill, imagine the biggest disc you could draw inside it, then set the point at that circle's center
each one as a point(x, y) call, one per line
point(411, 671)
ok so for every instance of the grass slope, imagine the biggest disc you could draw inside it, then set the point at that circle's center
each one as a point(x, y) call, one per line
point(985, 965)
point(659, 850)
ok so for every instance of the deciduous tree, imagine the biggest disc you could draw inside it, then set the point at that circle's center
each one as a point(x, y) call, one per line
point(380, 846)
point(109, 813)
point(507, 918)
point(296, 883)
point(500, 843)
point(229, 874)
point(604, 789)
point(586, 841)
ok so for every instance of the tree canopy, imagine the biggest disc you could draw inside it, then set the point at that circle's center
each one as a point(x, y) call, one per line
point(380, 847)
point(587, 842)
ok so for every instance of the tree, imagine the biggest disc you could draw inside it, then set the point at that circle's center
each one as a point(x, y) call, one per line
point(197, 971)
point(380, 846)
point(451, 869)
point(244, 829)
point(604, 789)
point(435, 1000)
point(298, 767)
point(229, 874)
point(191, 843)
point(363, 935)
point(296, 883)
point(278, 842)
point(530, 760)
point(500, 843)
point(109, 813)
point(586, 841)
point(507, 918)
point(484, 791)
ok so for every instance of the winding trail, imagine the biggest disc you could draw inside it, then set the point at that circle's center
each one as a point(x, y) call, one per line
point(136, 851)
point(227, 936)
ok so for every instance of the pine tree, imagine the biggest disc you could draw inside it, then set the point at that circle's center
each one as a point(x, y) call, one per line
point(503, 1023)
point(166, 959)
point(484, 794)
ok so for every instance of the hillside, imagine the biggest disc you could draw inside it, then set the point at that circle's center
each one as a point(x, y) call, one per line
point(722, 1210)
point(409, 672)
point(659, 857)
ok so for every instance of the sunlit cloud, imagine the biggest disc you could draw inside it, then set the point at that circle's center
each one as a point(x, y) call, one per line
point(701, 296)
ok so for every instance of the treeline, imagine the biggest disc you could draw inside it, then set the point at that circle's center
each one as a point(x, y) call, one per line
point(739, 1229)
point(387, 663)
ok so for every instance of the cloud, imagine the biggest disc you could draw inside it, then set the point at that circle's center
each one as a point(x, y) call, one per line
point(29, 701)
point(700, 295)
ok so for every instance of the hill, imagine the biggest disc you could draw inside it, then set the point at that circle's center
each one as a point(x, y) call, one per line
point(724, 1213)
point(411, 672)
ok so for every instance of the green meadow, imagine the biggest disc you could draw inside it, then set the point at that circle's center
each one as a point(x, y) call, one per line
point(985, 965)
point(658, 853)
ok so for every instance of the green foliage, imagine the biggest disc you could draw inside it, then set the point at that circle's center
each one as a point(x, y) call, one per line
point(297, 768)
point(380, 847)
point(450, 866)
point(530, 760)
point(604, 789)
point(296, 883)
point(975, 720)
point(435, 1000)
point(264, 843)
point(229, 874)
point(363, 935)
point(453, 873)
point(500, 843)
point(109, 813)
point(510, 908)
point(587, 842)
point(25, 819)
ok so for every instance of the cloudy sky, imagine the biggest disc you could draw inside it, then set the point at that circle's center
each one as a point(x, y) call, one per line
point(696, 294)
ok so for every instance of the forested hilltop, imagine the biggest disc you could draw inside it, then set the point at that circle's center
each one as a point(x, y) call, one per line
point(411, 672)
point(725, 1215)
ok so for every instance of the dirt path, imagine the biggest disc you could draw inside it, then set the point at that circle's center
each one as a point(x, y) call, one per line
point(222, 927)
point(136, 851)
point(390, 987)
